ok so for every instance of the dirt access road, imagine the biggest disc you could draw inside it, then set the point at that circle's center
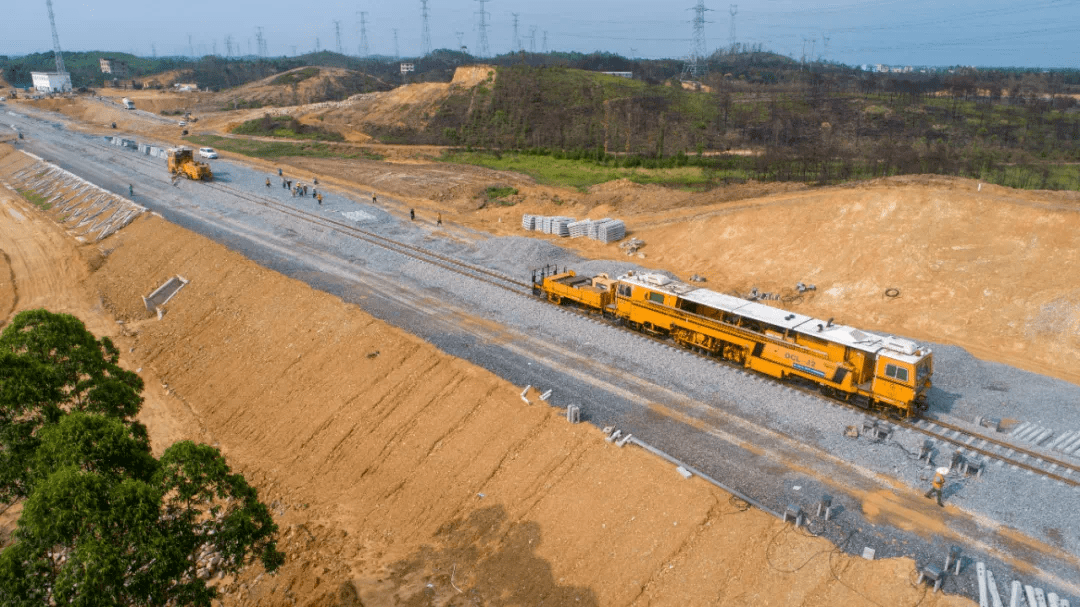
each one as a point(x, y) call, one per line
point(389, 479)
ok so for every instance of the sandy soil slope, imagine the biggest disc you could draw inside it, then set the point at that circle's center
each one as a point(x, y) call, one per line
point(400, 475)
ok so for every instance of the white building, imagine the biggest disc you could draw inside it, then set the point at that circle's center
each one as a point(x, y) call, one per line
point(51, 82)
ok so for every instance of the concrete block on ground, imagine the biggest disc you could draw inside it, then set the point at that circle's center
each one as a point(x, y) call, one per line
point(980, 571)
point(164, 293)
point(991, 584)
point(573, 414)
point(684, 472)
point(868, 553)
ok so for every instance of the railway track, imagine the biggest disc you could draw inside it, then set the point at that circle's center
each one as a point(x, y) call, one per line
point(972, 446)
point(421, 254)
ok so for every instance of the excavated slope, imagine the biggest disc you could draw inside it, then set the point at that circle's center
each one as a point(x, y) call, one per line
point(415, 477)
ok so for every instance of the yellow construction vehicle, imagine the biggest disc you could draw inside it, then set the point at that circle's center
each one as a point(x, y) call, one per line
point(182, 162)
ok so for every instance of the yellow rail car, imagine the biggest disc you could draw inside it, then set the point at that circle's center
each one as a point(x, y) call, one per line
point(847, 363)
point(591, 292)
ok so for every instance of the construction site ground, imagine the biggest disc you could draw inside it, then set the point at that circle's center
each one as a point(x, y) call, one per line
point(968, 260)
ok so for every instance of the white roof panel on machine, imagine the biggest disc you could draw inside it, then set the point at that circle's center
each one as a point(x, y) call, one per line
point(899, 348)
point(717, 301)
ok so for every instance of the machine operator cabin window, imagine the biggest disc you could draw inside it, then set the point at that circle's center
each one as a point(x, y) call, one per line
point(898, 373)
point(657, 297)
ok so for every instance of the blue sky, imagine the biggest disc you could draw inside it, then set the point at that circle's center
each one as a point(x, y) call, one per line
point(1038, 33)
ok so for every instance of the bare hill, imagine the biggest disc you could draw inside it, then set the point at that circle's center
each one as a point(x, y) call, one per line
point(301, 86)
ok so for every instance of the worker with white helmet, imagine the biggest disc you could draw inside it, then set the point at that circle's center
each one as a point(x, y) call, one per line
point(938, 484)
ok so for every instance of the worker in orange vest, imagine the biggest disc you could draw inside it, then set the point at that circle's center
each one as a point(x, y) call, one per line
point(938, 484)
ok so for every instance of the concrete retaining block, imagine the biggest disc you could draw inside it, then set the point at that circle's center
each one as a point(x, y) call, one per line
point(163, 294)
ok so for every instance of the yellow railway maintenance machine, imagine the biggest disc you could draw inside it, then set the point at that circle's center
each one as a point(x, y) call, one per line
point(849, 364)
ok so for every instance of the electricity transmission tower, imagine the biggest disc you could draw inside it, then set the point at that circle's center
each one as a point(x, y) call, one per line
point(55, 40)
point(545, 41)
point(482, 40)
point(532, 39)
point(425, 30)
point(397, 55)
point(260, 41)
point(517, 41)
point(191, 47)
point(695, 64)
point(734, 8)
point(460, 41)
point(228, 46)
point(364, 51)
point(825, 47)
point(153, 50)
point(337, 36)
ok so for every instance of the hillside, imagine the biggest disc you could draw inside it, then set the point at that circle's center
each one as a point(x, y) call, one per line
point(300, 86)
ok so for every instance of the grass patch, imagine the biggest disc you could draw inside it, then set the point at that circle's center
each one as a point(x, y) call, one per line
point(584, 173)
point(281, 149)
point(35, 199)
point(497, 194)
point(285, 127)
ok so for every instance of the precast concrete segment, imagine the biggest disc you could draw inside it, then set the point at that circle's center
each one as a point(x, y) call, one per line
point(980, 571)
point(164, 293)
point(991, 584)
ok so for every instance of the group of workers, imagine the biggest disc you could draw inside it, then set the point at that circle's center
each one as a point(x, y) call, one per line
point(301, 189)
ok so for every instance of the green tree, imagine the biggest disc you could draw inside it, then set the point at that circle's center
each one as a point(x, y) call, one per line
point(107, 524)
point(50, 365)
point(104, 522)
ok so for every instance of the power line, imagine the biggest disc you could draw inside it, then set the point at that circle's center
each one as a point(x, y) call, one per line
point(482, 39)
point(364, 50)
point(734, 8)
point(425, 31)
point(260, 42)
point(695, 64)
point(516, 41)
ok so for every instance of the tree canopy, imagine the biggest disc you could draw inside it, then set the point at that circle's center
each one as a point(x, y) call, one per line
point(103, 521)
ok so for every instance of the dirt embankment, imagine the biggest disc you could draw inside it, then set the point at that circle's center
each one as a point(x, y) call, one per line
point(420, 477)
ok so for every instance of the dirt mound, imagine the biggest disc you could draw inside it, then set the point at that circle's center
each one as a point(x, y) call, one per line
point(169, 78)
point(302, 85)
point(157, 101)
point(411, 105)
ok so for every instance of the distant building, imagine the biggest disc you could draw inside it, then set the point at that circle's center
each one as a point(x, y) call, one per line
point(118, 69)
point(51, 82)
point(620, 74)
